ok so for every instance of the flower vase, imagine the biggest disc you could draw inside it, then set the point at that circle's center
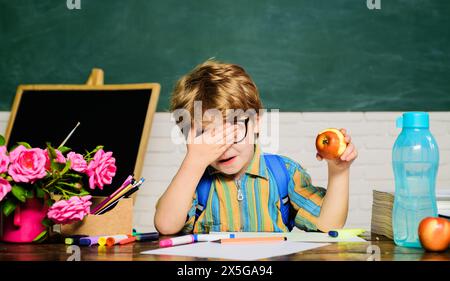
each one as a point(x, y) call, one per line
point(25, 223)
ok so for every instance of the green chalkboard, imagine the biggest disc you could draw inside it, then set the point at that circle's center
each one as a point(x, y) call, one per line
point(304, 55)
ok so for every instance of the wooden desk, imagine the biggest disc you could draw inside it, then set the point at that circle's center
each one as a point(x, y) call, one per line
point(131, 252)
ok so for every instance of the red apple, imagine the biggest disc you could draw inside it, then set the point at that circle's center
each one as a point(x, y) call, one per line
point(434, 234)
point(330, 143)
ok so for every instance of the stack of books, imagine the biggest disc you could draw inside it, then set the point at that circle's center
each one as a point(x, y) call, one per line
point(443, 203)
point(383, 203)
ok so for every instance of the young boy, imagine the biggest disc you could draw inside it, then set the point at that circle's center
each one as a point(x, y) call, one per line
point(243, 192)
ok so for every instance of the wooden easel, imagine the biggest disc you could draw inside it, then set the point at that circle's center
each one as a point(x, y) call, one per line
point(96, 78)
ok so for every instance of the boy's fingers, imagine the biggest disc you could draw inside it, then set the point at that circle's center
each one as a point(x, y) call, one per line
point(213, 134)
point(212, 130)
point(318, 157)
point(191, 134)
point(352, 156)
point(226, 146)
point(225, 135)
point(222, 148)
point(348, 150)
point(348, 139)
point(230, 136)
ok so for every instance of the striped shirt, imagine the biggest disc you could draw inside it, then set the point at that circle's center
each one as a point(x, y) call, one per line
point(259, 209)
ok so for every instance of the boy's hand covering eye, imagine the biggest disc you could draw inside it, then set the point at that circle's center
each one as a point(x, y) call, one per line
point(209, 146)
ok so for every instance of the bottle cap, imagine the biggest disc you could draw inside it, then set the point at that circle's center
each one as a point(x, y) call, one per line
point(413, 119)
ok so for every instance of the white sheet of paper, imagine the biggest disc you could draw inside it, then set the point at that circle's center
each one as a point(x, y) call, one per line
point(236, 252)
point(298, 236)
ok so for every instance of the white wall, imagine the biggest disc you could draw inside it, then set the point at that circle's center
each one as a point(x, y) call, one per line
point(373, 133)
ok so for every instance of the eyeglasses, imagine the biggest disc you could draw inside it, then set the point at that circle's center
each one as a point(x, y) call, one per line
point(241, 130)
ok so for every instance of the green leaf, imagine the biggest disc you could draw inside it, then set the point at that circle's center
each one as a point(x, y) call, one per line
point(41, 237)
point(8, 207)
point(66, 168)
point(83, 193)
point(29, 194)
point(19, 192)
point(27, 145)
point(51, 151)
point(57, 167)
point(64, 149)
point(88, 155)
point(50, 202)
point(40, 193)
point(2, 140)
point(47, 222)
point(98, 148)
point(75, 176)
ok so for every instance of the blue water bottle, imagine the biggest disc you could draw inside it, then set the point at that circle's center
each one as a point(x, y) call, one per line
point(415, 160)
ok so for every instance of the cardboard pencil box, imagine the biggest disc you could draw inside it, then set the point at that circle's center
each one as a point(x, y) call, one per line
point(118, 220)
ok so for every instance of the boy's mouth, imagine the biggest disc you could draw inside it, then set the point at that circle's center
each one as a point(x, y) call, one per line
point(227, 161)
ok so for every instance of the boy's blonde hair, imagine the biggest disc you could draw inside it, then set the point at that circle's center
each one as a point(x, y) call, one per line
point(217, 85)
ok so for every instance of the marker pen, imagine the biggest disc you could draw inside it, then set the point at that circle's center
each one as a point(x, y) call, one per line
point(113, 240)
point(345, 233)
point(147, 236)
point(89, 241)
point(187, 239)
point(74, 239)
point(212, 237)
point(131, 239)
point(139, 183)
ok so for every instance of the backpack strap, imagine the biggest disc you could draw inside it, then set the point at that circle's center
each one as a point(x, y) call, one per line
point(278, 168)
point(203, 188)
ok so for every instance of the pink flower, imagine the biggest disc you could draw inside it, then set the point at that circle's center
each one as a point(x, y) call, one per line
point(77, 162)
point(59, 158)
point(5, 187)
point(27, 165)
point(101, 169)
point(4, 159)
point(68, 211)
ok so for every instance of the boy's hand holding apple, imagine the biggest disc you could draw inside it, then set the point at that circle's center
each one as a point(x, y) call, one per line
point(336, 148)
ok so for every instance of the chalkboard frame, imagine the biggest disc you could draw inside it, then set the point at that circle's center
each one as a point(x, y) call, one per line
point(155, 89)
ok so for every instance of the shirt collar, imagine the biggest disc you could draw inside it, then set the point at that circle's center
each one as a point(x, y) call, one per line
point(257, 165)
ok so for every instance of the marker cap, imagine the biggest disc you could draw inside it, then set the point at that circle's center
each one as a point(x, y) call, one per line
point(333, 233)
point(85, 242)
point(110, 241)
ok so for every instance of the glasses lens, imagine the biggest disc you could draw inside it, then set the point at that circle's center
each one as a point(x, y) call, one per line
point(241, 131)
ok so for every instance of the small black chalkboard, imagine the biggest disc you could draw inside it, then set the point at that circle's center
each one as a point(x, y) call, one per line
point(116, 116)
